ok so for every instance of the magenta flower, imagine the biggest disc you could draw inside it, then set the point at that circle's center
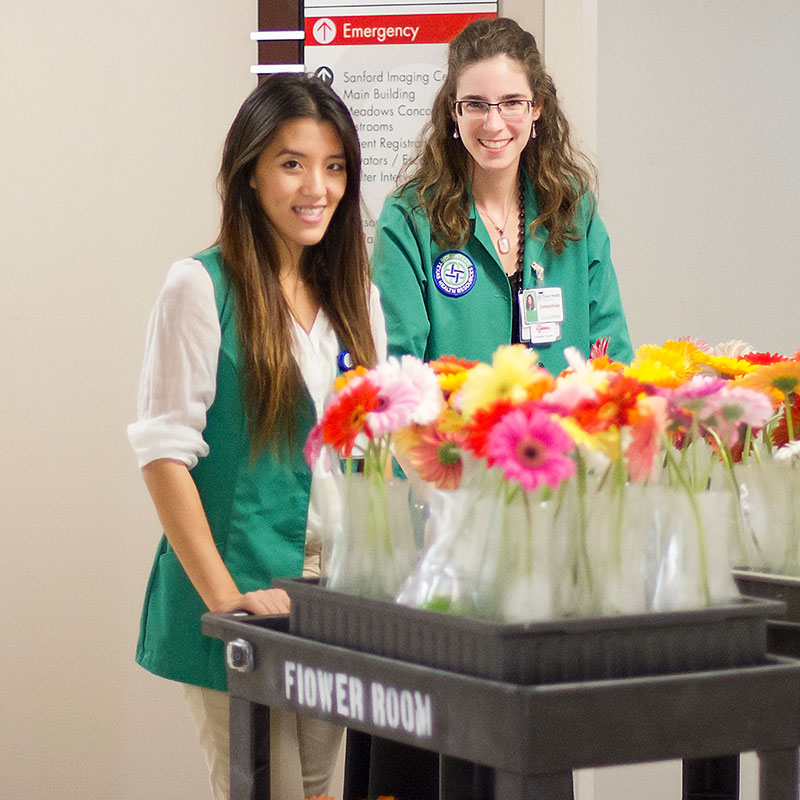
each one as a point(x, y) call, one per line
point(313, 445)
point(530, 448)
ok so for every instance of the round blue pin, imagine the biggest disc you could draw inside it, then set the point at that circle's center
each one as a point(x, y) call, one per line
point(454, 273)
point(344, 361)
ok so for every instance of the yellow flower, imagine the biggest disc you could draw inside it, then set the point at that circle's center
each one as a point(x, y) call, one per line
point(777, 380)
point(453, 381)
point(513, 370)
point(724, 366)
point(668, 365)
point(606, 442)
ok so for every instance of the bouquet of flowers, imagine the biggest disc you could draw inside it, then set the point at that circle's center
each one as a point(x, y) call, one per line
point(374, 548)
point(610, 488)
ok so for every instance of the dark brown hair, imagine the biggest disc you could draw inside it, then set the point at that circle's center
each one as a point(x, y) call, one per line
point(336, 270)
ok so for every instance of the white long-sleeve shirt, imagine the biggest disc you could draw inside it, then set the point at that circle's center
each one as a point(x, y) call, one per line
point(179, 377)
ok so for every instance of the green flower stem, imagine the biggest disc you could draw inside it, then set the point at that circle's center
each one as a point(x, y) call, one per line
point(793, 539)
point(701, 536)
point(583, 523)
point(618, 494)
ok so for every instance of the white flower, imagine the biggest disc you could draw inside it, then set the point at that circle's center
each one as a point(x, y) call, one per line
point(789, 451)
point(733, 348)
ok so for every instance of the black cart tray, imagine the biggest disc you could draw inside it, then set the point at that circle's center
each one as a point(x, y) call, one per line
point(555, 651)
point(783, 635)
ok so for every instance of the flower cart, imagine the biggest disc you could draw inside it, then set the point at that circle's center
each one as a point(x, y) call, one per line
point(530, 736)
point(551, 588)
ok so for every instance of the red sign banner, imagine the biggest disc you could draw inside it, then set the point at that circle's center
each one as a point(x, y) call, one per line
point(388, 29)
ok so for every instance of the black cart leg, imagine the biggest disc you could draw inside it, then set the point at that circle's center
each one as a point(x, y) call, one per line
point(356, 765)
point(464, 780)
point(711, 778)
point(249, 737)
point(778, 775)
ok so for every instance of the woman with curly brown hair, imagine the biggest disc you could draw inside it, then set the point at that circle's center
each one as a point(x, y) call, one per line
point(496, 216)
point(497, 205)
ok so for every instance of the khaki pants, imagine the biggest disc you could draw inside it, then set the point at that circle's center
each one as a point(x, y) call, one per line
point(304, 752)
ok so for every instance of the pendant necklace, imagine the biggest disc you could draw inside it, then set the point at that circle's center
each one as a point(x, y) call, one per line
point(503, 245)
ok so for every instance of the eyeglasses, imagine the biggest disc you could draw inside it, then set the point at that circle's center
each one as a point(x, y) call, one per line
point(508, 109)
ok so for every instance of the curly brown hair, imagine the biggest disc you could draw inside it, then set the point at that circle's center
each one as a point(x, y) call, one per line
point(439, 168)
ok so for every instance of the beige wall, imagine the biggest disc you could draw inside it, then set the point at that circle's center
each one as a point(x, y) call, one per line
point(113, 114)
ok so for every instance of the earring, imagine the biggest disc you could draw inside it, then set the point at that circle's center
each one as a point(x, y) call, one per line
point(533, 130)
point(455, 133)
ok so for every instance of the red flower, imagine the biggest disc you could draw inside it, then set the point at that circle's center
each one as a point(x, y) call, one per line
point(477, 430)
point(780, 436)
point(345, 417)
point(763, 358)
point(611, 408)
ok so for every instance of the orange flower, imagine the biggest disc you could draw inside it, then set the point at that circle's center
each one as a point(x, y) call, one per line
point(611, 408)
point(345, 418)
point(348, 376)
point(451, 372)
point(438, 457)
point(778, 379)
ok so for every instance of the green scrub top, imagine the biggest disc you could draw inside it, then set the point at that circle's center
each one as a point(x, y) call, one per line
point(427, 322)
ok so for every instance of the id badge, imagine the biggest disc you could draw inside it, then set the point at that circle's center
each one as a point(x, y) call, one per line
point(541, 312)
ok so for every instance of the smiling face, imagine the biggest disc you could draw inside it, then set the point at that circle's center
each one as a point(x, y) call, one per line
point(299, 178)
point(493, 142)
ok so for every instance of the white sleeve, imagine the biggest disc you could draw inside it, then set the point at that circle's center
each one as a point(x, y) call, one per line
point(179, 375)
point(378, 323)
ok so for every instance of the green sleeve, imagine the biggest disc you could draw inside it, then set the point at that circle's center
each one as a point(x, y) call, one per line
point(402, 240)
point(606, 317)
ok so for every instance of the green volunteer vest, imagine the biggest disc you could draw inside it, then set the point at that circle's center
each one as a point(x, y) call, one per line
point(257, 513)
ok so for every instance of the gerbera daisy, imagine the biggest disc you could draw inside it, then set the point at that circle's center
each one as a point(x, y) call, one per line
point(513, 370)
point(730, 411)
point(778, 379)
point(725, 366)
point(409, 392)
point(530, 448)
point(647, 425)
point(345, 378)
point(398, 400)
point(611, 407)
point(764, 358)
point(346, 416)
point(780, 434)
point(668, 365)
point(599, 349)
point(479, 426)
point(313, 445)
point(438, 457)
point(733, 348)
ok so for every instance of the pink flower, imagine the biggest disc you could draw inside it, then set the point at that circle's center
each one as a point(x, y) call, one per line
point(530, 448)
point(398, 399)
point(646, 429)
point(313, 445)
point(409, 392)
point(734, 408)
point(599, 348)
